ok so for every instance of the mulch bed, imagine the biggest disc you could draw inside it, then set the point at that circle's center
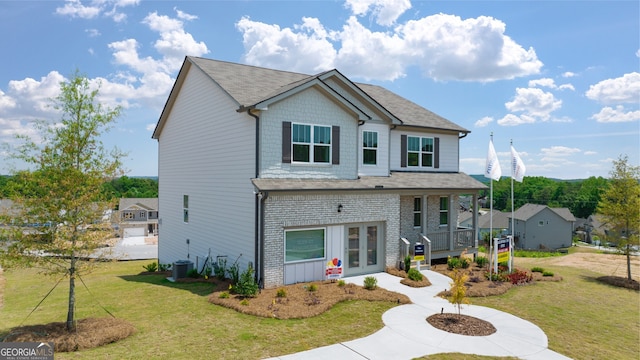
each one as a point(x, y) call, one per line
point(89, 333)
point(461, 324)
point(620, 282)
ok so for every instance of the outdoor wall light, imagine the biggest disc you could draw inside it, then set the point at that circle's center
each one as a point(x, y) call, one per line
point(340, 208)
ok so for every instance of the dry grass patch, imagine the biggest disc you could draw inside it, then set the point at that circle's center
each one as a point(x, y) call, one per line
point(89, 333)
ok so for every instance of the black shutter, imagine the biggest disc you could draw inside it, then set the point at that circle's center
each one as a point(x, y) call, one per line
point(403, 150)
point(286, 142)
point(436, 153)
point(335, 145)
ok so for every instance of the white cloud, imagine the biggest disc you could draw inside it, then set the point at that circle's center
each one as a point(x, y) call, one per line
point(555, 152)
point(151, 126)
point(74, 8)
point(183, 15)
point(617, 115)
point(534, 102)
point(386, 12)
point(568, 74)
point(549, 83)
point(625, 89)
point(445, 47)
point(308, 49)
point(515, 120)
point(590, 152)
point(93, 32)
point(484, 121)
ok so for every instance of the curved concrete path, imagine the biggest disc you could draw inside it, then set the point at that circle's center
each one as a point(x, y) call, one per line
point(406, 333)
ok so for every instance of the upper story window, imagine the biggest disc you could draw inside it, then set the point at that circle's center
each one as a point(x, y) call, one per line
point(128, 215)
point(444, 210)
point(369, 147)
point(420, 151)
point(311, 143)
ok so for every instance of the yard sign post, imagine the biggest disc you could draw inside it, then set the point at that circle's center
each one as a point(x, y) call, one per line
point(418, 254)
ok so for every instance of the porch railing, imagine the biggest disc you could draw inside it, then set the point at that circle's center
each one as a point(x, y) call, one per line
point(462, 239)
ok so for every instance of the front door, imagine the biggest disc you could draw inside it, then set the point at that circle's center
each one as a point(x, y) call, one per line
point(363, 249)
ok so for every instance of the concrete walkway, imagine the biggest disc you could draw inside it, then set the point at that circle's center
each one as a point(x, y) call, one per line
point(407, 334)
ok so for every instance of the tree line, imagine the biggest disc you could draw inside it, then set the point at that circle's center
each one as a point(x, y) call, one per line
point(581, 197)
point(120, 187)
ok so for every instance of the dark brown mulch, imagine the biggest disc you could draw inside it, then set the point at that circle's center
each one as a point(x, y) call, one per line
point(620, 282)
point(405, 280)
point(89, 333)
point(461, 324)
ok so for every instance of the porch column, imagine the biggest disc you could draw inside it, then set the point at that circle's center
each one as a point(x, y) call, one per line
point(449, 224)
point(476, 233)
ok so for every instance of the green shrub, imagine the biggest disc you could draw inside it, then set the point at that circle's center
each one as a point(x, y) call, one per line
point(407, 263)
point(453, 263)
point(151, 267)
point(312, 288)
point(341, 283)
point(519, 277)
point(247, 285)
point(244, 302)
point(220, 268)
point(370, 282)
point(164, 267)
point(234, 273)
point(547, 273)
point(537, 269)
point(464, 263)
point(224, 295)
point(414, 275)
point(281, 293)
point(193, 273)
point(481, 261)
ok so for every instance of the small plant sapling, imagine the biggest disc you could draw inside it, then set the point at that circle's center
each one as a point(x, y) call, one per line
point(458, 289)
point(370, 283)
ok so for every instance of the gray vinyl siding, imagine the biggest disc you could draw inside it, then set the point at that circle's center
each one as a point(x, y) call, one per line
point(555, 232)
point(382, 166)
point(448, 151)
point(206, 151)
point(314, 108)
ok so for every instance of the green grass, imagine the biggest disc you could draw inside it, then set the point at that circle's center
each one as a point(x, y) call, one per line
point(583, 318)
point(175, 320)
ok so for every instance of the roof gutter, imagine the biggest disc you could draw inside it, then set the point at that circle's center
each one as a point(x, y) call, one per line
point(260, 197)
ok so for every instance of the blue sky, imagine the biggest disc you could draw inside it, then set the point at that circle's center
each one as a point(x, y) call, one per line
point(559, 78)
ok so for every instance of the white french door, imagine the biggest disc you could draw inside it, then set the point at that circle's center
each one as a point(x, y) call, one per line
point(363, 249)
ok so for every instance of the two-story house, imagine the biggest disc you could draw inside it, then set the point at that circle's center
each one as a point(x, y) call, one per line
point(541, 227)
point(288, 171)
point(138, 216)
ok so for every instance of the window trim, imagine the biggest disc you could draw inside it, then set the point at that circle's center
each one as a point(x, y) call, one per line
point(324, 245)
point(445, 211)
point(312, 144)
point(417, 200)
point(370, 148)
point(421, 152)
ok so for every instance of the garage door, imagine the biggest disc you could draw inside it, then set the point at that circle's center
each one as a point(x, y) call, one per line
point(133, 232)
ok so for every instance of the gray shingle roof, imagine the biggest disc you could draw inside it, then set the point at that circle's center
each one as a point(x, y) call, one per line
point(249, 85)
point(397, 181)
point(145, 203)
point(526, 211)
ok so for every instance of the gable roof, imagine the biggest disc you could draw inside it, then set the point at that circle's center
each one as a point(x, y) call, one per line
point(144, 203)
point(527, 211)
point(250, 86)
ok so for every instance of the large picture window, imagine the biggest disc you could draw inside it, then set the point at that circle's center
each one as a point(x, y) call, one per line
point(369, 147)
point(304, 245)
point(311, 143)
point(419, 151)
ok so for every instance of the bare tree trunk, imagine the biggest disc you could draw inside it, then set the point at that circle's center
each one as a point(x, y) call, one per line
point(72, 295)
point(628, 261)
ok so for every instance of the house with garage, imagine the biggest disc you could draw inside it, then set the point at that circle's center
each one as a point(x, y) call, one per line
point(541, 227)
point(138, 217)
point(290, 171)
point(496, 222)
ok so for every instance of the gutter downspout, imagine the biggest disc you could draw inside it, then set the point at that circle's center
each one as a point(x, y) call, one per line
point(259, 217)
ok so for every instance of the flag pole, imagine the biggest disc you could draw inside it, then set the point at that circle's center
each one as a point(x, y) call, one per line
point(512, 241)
point(491, 219)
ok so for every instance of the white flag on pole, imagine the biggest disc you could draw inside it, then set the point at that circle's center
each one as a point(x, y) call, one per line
point(517, 166)
point(492, 170)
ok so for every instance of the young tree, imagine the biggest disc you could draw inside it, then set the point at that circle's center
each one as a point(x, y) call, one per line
point(59, 213)
point(620, 205)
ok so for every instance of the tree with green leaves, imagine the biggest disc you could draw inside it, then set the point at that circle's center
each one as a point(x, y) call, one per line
point(60, 216)
point(620, 205)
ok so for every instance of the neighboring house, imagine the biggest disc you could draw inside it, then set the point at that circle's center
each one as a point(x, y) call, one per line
point(138, 217)
point(500, 223)
point(287, 171)
point(542, 227)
